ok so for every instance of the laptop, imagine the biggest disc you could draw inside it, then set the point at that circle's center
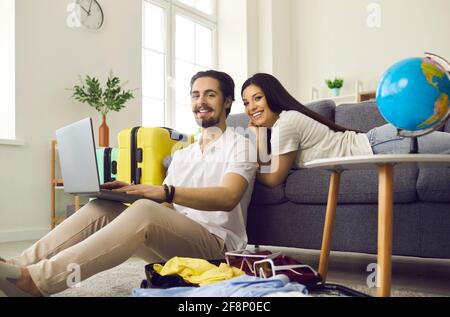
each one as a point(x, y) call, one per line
point(78, 161)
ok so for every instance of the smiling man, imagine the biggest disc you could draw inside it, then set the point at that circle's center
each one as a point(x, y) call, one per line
point(207, 191)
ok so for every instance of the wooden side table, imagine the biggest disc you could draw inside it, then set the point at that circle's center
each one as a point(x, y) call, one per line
point(385, 165)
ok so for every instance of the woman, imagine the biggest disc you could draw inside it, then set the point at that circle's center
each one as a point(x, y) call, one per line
point(299, 135)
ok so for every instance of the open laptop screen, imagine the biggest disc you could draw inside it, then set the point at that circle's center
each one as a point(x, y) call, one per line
point(76, 148)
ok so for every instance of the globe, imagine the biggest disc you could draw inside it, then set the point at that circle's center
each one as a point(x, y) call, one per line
point(413, 95)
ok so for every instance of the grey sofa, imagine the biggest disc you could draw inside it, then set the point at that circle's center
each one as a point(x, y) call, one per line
point(292, 215)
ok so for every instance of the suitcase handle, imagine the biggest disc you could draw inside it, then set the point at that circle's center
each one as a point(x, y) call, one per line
point(107, 165)
point(114, 167)
point(138, 175)
point(175, 135)
point(133, 150)
point(139, 156)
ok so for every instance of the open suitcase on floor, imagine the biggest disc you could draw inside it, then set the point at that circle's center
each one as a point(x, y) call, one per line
point(143, 151)
point(107, 160)
point(154, 280)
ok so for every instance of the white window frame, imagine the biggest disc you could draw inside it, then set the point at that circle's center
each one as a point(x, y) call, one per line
point(212, 17)
point(167, 29)
point(172, 8)
point(12, 98)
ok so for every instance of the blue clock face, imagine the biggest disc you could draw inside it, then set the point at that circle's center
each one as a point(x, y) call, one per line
point(91, 14)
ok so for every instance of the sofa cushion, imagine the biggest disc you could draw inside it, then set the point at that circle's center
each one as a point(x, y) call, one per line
point(433, 184)
point(325, 108)
point(263, 195)
point(356, 186)
point(355, 228)
point(360, 116)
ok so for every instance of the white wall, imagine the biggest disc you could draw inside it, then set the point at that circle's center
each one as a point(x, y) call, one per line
point(49, 57)
point(255, 36)
point(232, 41)
point(332, 38)
point(282, 42)
point(265, 35)
point(271, 40)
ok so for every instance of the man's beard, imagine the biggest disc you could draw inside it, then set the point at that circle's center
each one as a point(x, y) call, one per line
point(208, 123)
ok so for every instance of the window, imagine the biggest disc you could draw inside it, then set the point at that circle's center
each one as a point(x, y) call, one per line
point(204, 6)
point(7, 73)
point(178, 41)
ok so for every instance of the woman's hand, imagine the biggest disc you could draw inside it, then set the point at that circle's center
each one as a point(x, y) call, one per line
point(155, 193)
point(251, 124)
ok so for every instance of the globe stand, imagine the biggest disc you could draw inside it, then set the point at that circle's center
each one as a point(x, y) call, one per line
point(414, 146)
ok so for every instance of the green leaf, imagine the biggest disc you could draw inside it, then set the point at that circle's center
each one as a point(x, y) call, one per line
point(336, 83)
point(110, 98)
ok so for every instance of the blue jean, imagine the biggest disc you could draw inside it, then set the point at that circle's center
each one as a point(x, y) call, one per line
point(384, 140)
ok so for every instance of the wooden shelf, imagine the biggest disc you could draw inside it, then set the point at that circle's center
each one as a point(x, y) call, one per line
point(360, 95)
point(367, 96)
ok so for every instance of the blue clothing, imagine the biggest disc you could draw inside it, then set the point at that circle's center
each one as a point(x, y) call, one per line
point(242, 286)
point(384, 140)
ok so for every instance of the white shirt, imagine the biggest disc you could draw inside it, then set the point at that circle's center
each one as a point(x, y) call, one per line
point(192, 168)
point(312, 140)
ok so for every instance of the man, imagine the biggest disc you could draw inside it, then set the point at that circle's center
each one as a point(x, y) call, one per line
point(207, 191)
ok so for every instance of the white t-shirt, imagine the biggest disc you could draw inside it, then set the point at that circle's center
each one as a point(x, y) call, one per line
point(312, 140)
point(192, 168)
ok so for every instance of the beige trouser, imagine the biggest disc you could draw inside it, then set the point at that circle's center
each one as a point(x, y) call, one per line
point(104, 234)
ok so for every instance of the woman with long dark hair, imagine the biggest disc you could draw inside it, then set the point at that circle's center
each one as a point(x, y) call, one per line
point(298, 134)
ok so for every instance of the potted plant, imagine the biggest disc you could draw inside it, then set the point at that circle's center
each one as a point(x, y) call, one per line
point(335, 85)
point(112, 97)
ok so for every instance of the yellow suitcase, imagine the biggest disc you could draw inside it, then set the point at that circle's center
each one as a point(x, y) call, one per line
point(142, 152)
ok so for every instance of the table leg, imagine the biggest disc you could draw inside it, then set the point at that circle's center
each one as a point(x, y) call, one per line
point(329, 223)
point(77, 203)
point(385, 217)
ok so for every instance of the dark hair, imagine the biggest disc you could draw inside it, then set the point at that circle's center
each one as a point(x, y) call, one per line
point(226, 83)
point(279, 99)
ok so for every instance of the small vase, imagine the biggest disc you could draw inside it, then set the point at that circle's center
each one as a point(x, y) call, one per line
point(103, 134)
point(336, 92)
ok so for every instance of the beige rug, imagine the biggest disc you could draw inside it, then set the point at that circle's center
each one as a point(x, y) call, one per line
point(117, 282)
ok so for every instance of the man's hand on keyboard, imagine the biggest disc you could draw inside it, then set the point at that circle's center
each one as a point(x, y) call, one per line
point(114, 185)
point(149, 191)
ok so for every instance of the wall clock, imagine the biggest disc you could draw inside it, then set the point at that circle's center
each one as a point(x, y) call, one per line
point(91, 14)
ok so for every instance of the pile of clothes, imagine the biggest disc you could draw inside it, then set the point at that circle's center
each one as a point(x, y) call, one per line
point(189, 277)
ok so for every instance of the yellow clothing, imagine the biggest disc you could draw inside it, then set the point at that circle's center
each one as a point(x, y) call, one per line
point(198, 271)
